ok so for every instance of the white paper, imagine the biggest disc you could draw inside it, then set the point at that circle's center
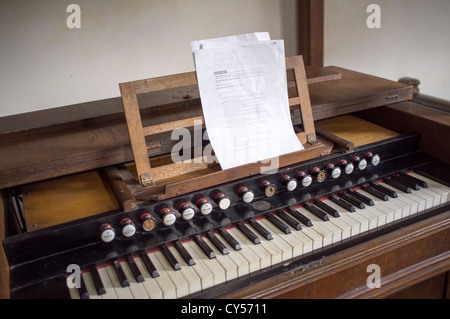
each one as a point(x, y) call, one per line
point(243, 89)
point(220, 42)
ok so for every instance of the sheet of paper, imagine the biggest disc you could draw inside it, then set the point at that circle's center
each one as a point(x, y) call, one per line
point(243, 89)
point(220, 42)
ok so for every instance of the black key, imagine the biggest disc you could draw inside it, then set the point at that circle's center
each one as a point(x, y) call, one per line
point(352, 200)
point(413, 179)
point(82, 290)
point(397, 185)
point(184, 253)
point(230, 239)
point(305, 220)
point(279, 224)
point(389, 192)
point(204, 246)
point(342, 203)
point(375, 192)
point(248, 233)
point(97, 281)
point(135, 270)
point(361, 197)
point(330, 210)
point(405, 182)
point(120, 274)
point(291, 221)
point(316, 212)
point(149, 265)
point(216, 242)
point(170, 258)
point(261, 230)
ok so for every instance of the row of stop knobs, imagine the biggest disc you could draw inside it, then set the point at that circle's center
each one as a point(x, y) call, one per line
point(320, 175)
point(205, 207)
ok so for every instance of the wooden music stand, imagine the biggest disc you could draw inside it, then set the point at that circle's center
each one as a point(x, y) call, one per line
point(148, 186)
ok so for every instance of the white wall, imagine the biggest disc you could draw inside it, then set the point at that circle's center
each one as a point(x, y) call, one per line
point(414, 40)
point(44, 64)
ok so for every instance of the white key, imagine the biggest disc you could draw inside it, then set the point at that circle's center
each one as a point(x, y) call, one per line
point(262, 254)
point(335, 231)
point(345, 217)
point(435, 186)
point(188, 272)
point(345, 228)
point(327, 236)
point(242, 265)
point(272, 249)
point(90, 286)
point(253, 260)
point(436, 197)
point(231, 271)
point(107, 284)
point(121, 292)
point(150, 284)
point(290, 245)
point(74, 293)
point(375, 217)
point(136, 288)
point(314, 236)
point(417, 204)
point(177, 278)
point(168, 289)
point(205, 274)
point(392, 212)
point(360, 219)
point(215, 268)
point(310, 238)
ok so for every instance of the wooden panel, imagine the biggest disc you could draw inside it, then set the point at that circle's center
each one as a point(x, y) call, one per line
point(67, 198)
point(429, 289)
point(311, 18)
point(4, 268)
point(355, 130)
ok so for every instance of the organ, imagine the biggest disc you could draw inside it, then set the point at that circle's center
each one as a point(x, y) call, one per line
point(370, 188)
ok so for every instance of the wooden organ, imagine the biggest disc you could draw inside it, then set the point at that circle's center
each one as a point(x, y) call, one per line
point(371, 188)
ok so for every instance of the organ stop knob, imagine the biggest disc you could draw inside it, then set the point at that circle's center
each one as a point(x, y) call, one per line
point(319, 174)
point(148, 221)
point(360, 163)
point(222, 200)
point(204, 206)
point(373, 159)
point(289, 182)
point(347, 167)
point(304, 179)
point(186, 211)
point(268, 188)
point(333, 171)
point(167, 216)
point(246, 194)
point(107, 233)
point(128, 227)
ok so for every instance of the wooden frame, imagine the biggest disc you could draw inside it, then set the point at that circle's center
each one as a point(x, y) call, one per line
point(138, 132)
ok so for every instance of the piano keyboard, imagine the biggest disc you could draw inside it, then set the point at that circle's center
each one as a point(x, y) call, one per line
point(186, 268)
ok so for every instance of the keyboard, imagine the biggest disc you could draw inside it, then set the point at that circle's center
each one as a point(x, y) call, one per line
point(187, 268)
